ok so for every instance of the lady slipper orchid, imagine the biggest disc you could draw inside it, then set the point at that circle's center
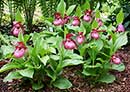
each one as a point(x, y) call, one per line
point(58, 22)
point(88, 12)
point(69, 35)
point(58, 19)
point(69, 43)
point(16, 31)
point(17, 28)
point(19, 53)
point(80, 38)
point(87, 18)
point(95, 34)
point(120, 28)
point(20, 50)
point(115, 60)
point(57, 15)
point(100, 23)
point(66, 19)
point(76, 21)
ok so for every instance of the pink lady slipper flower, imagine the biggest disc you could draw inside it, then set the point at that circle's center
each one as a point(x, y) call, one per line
point(100, 23)
point(80, 38)
point(69, 43)
point(76, 21)
point(58, 19)
point(87, 17)
point(17, 28)
point(120, 28)
point(57, 15)
point(58, 22)
point(88, 12)
point(66, 19)
point(95, 34)
point(115, 60)
point(20, 50)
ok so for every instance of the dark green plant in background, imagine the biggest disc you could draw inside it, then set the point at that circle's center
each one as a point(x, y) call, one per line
point(48, 7)
point(1, 9)
point(125, 4)
point(28, 7)
point(12, 9)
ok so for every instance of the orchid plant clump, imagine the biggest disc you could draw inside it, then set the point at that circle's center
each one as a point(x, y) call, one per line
point(82, 31)
point(44, 59)
point(86, 33)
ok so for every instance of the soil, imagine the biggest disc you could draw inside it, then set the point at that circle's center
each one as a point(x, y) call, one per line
point(80, 84)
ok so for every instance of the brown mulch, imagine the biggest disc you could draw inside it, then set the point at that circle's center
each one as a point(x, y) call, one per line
point(80, 84)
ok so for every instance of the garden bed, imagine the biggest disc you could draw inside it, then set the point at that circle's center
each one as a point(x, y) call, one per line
point(80, 84)
point(70, 48)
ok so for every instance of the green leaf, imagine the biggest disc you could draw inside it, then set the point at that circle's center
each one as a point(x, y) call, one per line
point(27, 72)
point(51, 74)
point(52, 50)
point(53, 65)
point(7, 49)
point(97, 7)
point(48, 33)
point(100, 59)
point(70, 9)
point(26, 38)
point(78, 11)
point(92, 66)
point(71, 55)
point(11, 76)
point(29, 64)
point(37, 86)
point(62, 83)
point(82, 28)
point(120, 17)
point(18, 16)
point(120, 67)
point(71, 62)
point(86, 6)
point(45, 45)
point(61, 7)
point(94, 24)
point(93, 51)
point(107, 65)
point(75, 28)
point(44, 59)
point(82, 50)
point(75, 56)
point(87, 27)
point(51, 40)
point(54, 57)
point(99, 44)
point(97, 14)
point(20, 36)
point(10, 66)
point(107, 78)
point(120, 41)
point(89, 72)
